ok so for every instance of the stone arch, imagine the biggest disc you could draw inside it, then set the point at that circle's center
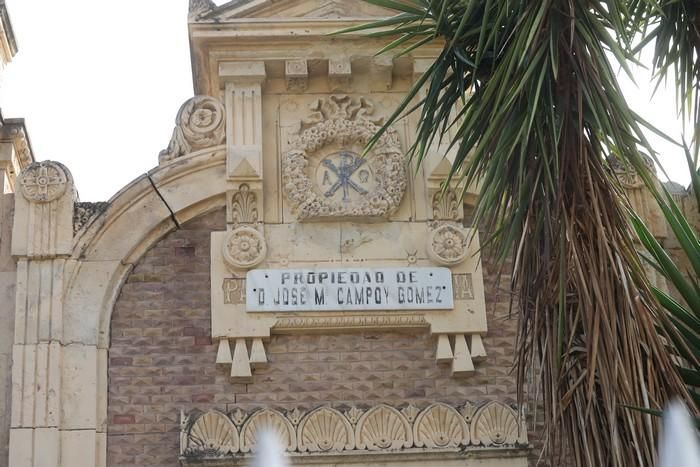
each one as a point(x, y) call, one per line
point(104, 253)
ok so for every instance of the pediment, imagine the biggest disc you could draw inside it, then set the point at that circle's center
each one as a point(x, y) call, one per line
point(287, 9)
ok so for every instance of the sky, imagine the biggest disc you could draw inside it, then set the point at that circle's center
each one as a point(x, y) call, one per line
point(100, 83)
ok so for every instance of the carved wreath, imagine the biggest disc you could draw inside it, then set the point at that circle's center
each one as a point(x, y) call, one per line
point(344, 121)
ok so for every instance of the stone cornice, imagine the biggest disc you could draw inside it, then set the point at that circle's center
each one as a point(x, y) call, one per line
point(8, 44)
point(14, 130)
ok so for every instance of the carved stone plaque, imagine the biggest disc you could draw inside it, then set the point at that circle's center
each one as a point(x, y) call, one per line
point(347, 289)
point(325, 174)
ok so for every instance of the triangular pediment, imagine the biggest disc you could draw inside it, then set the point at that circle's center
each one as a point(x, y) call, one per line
point(321, 9)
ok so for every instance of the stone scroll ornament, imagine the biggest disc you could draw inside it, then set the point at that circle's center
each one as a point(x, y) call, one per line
point(324, 173)
point(200, 124)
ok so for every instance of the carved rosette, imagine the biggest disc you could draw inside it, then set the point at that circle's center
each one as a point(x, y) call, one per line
point(244, 248)
point(200, 124)
point(323, 172)
point(447, 244)
point(43, 182)
point(326, 430)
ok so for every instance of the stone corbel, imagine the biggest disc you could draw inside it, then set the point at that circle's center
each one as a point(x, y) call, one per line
point(460, 355)
point(296, 73)
point(241, 361)
point(243, 99)
point(339, 74)
point(381, 72)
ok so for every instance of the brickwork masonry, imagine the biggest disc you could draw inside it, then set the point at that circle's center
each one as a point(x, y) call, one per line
point(161, 358)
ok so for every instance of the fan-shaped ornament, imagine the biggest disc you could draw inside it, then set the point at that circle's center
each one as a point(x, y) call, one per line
point(325, 429)
point(383, 427)
point(212, 435)
point(267, 420)
point(495, 424)
point(440, 426)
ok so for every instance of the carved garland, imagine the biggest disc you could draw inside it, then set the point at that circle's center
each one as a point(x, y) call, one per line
point(344, 122)
point(327, 430)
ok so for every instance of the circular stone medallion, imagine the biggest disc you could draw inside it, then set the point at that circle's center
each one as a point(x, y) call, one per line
point(244, 248)
point(447, 244)
point(43, 182)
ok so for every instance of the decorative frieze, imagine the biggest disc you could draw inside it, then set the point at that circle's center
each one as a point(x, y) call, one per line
point(327, 430)
point(200, 124)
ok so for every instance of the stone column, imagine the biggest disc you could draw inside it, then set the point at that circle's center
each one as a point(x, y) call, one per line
point(42, 238)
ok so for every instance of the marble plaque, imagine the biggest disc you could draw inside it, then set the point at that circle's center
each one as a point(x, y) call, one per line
point(349, 289)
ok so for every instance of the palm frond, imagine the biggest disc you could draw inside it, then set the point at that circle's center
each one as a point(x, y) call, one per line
point(540, 109)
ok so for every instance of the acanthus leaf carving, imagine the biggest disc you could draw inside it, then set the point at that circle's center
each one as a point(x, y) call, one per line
point(244, 206)
point(200, 124)
point(446, 205)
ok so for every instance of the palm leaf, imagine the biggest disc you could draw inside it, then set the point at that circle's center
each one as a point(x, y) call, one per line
point(544, 110)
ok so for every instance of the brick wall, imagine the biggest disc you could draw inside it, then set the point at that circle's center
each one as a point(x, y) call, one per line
point(162, 360)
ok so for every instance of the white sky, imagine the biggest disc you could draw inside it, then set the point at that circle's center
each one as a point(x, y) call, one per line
point(100, 82)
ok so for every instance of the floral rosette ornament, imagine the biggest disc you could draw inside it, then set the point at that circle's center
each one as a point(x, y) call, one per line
point(447, 244)
point(244, 248)
point(331, 141)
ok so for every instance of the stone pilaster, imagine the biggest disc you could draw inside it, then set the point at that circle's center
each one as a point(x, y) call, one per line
point(41, 242)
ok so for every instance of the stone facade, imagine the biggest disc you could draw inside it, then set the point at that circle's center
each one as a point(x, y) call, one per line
point(137, 332)
point(161, 354)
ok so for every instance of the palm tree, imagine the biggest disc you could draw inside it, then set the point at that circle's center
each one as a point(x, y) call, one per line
point(540, 112)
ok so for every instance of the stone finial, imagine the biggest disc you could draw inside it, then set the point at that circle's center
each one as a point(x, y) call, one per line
point(43, 225)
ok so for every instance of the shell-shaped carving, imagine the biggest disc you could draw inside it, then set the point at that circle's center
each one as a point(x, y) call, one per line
point(383, 427)
point(325, 429)
point(495, 424)
point(270, 420)
point(440, 426)
point(212, 435)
